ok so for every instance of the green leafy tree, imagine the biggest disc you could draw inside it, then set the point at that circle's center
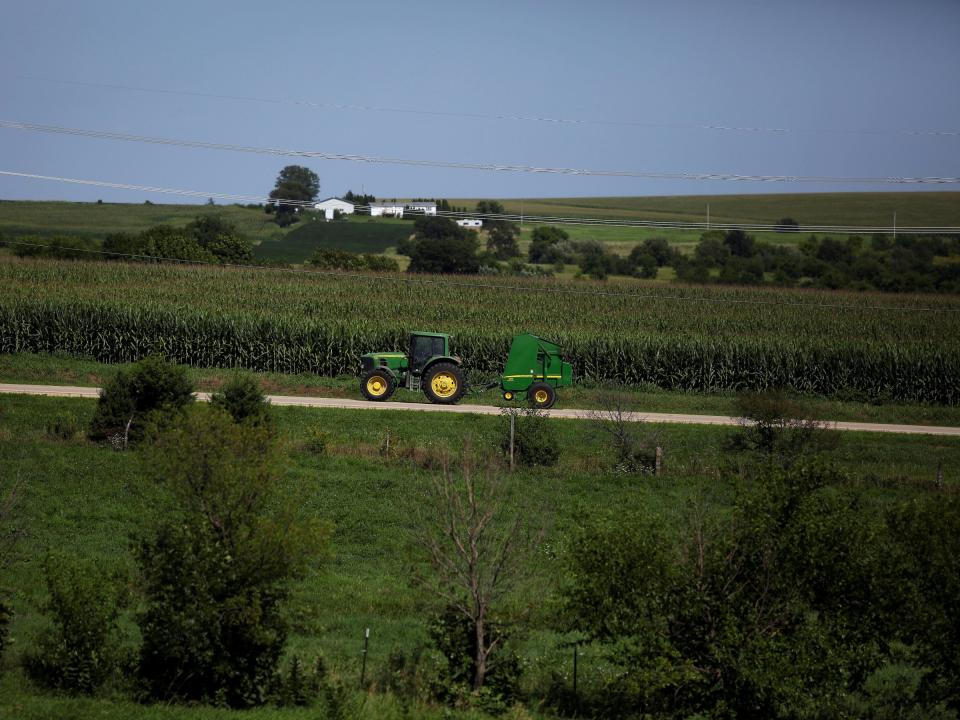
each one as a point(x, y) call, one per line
point(502, 242)
point(149, 393)
point(770, 611)
point(221, 238)
point(542, 238)
point(298, 184)
point(219, 564)
point(243, 399)
point(441, 246)
point(82, 649)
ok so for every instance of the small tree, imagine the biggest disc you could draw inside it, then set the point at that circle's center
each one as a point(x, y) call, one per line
point(472, 551)
point(634, 448)
point(243, 399)
point(218, 566)
point(296, 184)
point(82, 649)
point(150, 392)
point(779, 428)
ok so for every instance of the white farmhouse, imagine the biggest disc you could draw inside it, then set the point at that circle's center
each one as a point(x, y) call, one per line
point(386, 208)
point(470, 223)
point(427, 208)
point(330, 204)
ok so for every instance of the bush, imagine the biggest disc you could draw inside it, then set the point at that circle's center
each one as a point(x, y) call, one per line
point(453, 634)
point(779, 427)
point(82, 650)
point(148, 394)
point(243, 399)
point(534, 438)
point(218, 567)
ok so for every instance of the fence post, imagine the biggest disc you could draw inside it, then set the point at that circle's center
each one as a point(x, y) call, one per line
point(575, 649)
point(940, 475)
point(658, 462)
point(363, 667)
point(513, 421)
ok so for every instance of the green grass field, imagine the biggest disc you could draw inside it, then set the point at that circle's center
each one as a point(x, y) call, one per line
point(359, 234)
point(912, 208)
point(90, 500)
point(93, 221)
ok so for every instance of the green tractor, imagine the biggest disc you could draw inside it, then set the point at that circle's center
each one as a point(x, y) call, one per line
point(534, 369)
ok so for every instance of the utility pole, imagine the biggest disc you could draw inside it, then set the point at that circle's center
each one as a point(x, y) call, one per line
point(894, 224)
point(708, 216)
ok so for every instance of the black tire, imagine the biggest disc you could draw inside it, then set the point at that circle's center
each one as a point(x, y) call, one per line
point(449, 379)
point(369, 386)
point(542, 396)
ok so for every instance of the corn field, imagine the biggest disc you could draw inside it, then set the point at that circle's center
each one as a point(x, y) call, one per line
point(700, 339)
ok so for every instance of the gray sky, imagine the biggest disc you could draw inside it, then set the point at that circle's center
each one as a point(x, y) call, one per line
point(845, 81)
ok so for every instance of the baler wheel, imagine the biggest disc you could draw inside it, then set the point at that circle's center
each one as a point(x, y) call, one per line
point(377, 385)
point(542, 396)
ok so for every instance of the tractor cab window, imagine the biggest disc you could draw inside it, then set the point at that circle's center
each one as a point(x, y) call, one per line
point(422, 348)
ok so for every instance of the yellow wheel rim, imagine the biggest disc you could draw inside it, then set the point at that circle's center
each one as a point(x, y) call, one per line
point(540, 396)
point(444, 384)
point(508, 395)
point(377, 385)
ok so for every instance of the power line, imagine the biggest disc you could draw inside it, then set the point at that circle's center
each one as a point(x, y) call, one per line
point(490, 167)
point(498, 116)
point(489, 286)
point(546, 219)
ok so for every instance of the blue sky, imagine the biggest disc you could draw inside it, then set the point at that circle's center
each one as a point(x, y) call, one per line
point(844, 78)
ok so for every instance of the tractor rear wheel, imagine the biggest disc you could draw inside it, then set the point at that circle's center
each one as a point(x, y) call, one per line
point(377, 385)
point(542, 396)
point(444, 383)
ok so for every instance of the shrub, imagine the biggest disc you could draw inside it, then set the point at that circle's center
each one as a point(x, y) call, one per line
point(453, 634)
point(534, 438)
point(82, 649)
point(779, 427)
point(149, 393)
point(243, 399)
point(634, 448)
point(217, 569)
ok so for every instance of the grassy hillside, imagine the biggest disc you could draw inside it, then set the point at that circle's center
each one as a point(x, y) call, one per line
point(89, 500)
point(358, 234)
point(94, 221)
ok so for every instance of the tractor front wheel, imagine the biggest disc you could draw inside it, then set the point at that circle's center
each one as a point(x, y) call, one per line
point(444, 383)
point(377, 385)
point(542, 396)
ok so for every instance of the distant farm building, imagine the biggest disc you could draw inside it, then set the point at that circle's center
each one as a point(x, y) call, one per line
point(330, 205)
point(427, 208)
point(387, 208)
point(470, 223)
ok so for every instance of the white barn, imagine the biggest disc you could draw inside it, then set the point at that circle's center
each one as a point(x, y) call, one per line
point(427, 208)
point(330, 204)
point(386, 208)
